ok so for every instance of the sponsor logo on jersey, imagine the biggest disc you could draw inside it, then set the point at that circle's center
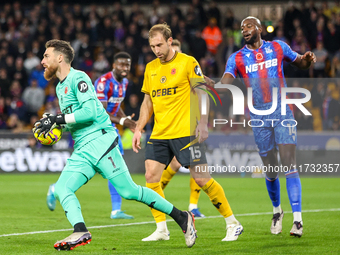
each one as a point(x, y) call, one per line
point(198, 70)
point(82, 86)
point(116, 100)
point(262, 65)
point(164, 92)
point(163, 79)
point(67, 110)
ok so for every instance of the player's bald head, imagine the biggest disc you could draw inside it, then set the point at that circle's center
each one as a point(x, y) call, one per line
point(253, 20)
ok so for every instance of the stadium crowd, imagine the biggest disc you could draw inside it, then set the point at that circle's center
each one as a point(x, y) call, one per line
point(210, 36)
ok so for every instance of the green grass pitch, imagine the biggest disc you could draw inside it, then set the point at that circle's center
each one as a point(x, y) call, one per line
point(23, 210)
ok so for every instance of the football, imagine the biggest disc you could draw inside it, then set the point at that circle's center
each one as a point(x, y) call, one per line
point(52, 137)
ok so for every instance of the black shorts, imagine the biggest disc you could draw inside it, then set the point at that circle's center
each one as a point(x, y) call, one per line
point(163, 151)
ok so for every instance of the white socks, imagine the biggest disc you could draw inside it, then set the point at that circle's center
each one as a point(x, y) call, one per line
point(192, 206)
point(115, 212)
point(277, 209)
point(297, 216)
point(162, 227)
point(231, 220)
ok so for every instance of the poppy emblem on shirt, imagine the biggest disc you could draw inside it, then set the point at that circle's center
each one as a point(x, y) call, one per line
point(259, 56)
point(120, 91)
point(66, 88)
point(173, 71)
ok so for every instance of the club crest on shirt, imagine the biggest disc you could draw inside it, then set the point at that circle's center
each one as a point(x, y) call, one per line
point(198, 71)
point(163, 79)
point(268, 50)
point(259, 56)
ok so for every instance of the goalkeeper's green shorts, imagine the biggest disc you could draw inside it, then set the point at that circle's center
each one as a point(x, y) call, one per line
point(100, 155)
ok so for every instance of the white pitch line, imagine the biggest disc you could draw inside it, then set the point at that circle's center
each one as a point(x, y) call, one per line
point(149, 222)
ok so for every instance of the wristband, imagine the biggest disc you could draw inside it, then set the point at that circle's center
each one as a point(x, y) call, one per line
point(60, 119)
point(121, 121)
point(69, 118)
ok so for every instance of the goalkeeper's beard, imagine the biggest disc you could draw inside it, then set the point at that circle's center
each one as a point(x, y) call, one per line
point(50, 72)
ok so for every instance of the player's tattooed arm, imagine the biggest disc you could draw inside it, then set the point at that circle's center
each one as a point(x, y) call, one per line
point(304, 61)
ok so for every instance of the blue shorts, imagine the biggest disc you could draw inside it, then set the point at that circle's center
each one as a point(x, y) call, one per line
point(120, 145)
point(273, 129)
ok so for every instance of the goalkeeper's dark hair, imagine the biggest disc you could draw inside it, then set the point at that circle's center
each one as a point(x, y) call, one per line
point(121, 54)
point(163, 29)
point(63, 47)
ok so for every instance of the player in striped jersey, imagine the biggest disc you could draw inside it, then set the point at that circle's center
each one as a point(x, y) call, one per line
point(111, 88)
point(260, 64)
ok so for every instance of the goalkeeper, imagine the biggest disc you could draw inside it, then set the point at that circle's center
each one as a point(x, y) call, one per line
point(95, 148)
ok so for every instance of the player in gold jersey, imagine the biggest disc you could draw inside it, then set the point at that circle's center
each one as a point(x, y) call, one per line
point(168, 95)
point(175, 166)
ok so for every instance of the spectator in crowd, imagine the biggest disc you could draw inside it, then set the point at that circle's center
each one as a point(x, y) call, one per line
point(214, 12)
point(38, 75)
point(235, 32)
point(299, 41)
point(198, 46)
point(14, 103)
point(31, 62)
point(335, 66)
point(280, 35)
point(133, 107)
point(229, 19)
point(320, 65)
point(4, 83)
point(33, 97)
point(212, 36)
point(330, 110)
point(2, 113)
point(101, 65)
point(20, 73)
point(229, 49)
point(291, 14)
point(332, 39)
point(10, 65)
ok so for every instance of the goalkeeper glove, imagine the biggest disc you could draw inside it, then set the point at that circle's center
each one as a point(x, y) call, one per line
point(47, 123)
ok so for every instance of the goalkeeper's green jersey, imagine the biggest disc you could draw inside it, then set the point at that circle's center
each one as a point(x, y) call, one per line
point(72, 92)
